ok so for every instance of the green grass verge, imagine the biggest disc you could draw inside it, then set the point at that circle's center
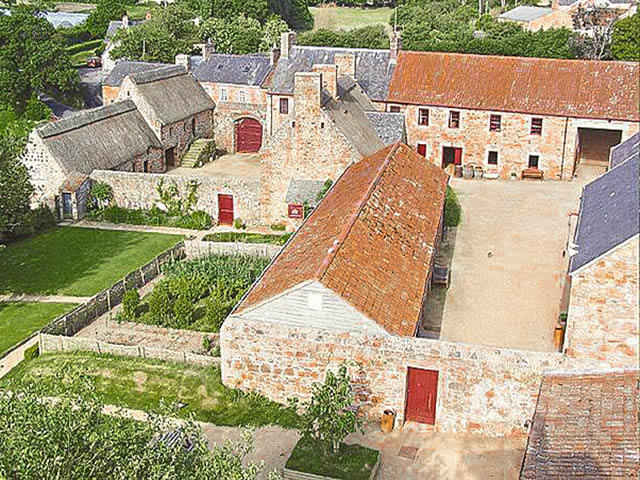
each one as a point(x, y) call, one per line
point(147, 384)
point(247, 238)
point(349, 18)
point(77, 261)
point(20, 319)
point(352, 462)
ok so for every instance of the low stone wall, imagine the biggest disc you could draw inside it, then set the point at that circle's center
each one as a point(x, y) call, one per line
point(139, 190)
point(59, 343)
point(486, 390)
point(196, 248)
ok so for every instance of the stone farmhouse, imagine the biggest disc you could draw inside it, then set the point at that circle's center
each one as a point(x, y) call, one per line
point(604, 270)
point(156, 117)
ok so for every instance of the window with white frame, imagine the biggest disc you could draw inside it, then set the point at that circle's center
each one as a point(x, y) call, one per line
point(492, 158)
point(223, 95)
point(242, 96)
point(423, 117)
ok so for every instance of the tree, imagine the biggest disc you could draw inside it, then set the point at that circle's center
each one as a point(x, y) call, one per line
point(32, 59)
point(240, 35)
point(295, 12)
point(625, 39)
point(72, 438)
point(596, 25)
point(105, 12)
point(329, 416)
point(273, 29)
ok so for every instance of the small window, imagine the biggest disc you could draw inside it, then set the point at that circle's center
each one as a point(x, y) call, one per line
point(242, 96)
point(536, 126)
point(454, 119)
point(492, 159)
point(394, 108)
point(495, 123)
point(223, 95)
point(423, 117)
point(295, 210)
point(321, 124)
point(534, 161)
point(284, 106)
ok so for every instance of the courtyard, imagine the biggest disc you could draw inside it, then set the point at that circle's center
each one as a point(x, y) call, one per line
point(508, 269)
point(233, 165)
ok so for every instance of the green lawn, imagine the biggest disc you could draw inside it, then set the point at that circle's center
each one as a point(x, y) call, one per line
point(348, 18)
point(77, 261)
point(144, 383)
point(20, 319)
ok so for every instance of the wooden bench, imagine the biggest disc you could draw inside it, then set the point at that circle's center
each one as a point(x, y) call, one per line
point(532, 173)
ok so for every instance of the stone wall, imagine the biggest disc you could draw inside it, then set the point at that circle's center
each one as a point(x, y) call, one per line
point(109, 94)
point(480, 389)
point(602, 322)
point(139, 190)
point(180, 135)
point(200, 248)
point(45, 174)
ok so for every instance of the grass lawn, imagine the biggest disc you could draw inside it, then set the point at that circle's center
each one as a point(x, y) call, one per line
point(352, 462)
point(76, 261)
point(348, 18)
point(20, 319)
point(247, 237)
point(143, 384)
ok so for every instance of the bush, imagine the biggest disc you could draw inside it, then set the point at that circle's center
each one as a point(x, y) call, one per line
point(102, 193)
point(207, 154)
point(160, 303)
point(32, 352)
point(373, 36)
point(38, 220)
point(195, 220)
point(278, 227)
point(238, 224)
point(452, 209)
point(130, 304)
point(183, 309)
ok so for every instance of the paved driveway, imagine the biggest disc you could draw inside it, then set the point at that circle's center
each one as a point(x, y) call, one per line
point(508, 270)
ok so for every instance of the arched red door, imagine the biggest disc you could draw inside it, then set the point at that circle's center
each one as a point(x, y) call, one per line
point(248, 133)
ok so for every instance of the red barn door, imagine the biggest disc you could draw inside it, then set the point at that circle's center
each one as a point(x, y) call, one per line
point(225, 209)
point(422, 393)
point(248, 132)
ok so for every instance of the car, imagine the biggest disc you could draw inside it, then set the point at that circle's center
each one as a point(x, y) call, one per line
point(94, 62)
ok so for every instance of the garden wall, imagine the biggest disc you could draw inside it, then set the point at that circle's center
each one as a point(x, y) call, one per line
point(487, 390)
point(197, 248)
point(139, 190)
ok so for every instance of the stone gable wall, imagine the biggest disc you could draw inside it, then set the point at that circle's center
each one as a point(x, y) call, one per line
point(109, 94)
point(602, 322)
point(139, 190)
point(45, 174)
point(480, 389)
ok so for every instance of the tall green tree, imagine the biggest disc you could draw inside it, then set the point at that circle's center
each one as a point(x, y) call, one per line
point(32, 59)
point(625, 40)
point(240, 35)
point(105, 12)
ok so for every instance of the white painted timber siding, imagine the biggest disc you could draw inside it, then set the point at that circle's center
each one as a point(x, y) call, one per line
point(299, 307)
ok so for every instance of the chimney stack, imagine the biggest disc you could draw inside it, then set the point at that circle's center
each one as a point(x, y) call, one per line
point(274, 56)
point(184, 60)
point(395, 45)
point(346, 63)
point(287, 40)
point(208, 49)
point(306, 96)
point(125, 21)
point(329, 77)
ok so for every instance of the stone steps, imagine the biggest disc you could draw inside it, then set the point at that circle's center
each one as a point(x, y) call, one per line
point(191, 157)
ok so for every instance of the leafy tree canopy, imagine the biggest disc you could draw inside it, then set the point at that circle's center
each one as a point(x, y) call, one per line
point(625, 41)
point(105, 12)
point(373, 36)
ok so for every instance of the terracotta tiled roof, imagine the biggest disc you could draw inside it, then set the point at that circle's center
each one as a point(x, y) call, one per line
point(574, 88)
point(370, 240)
point(585, 426)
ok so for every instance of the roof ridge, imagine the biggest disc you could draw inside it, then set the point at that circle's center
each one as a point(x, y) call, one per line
point(157, 74)
point(333, 250)
point(86, 117)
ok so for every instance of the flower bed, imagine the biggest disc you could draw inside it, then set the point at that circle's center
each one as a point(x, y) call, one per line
point(196, 220)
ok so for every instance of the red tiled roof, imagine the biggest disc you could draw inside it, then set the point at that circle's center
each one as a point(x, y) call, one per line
point(585, 426)
point(370, 240)
point(574, 88)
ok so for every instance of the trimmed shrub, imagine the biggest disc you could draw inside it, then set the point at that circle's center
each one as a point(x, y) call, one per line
point(32, 352)
point(183, 309)
point(452, 209)
point(130, 304)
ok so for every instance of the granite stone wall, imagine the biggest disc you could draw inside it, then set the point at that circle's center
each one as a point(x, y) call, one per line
point(200, 248)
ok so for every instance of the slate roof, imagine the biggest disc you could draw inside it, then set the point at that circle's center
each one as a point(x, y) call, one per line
point(373, 69)
point(585, 426)
point(371, 240)
point(127, 67)
point(609, 210)
point(625, 150)
point(102, 138)
point(303, 190)
point(525, 13)
point(233, 69)
point(116, 25)
point(574, 88)
point(388, 126)
point(348, 113)
point(172, 93)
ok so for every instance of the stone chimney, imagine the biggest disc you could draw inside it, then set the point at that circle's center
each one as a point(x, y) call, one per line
point(346, 63)
point(329, 77)
point(184, 60)
point(208, 49)
point(125, 21)
point(287, 40)
point(395, 43)
point(274, 56)
point(306, 96)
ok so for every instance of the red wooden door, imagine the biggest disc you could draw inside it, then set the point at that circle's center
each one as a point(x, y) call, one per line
point(248, 135)
point(422, 392)
point(422, 149)
point(457, 152)
point(225, 209)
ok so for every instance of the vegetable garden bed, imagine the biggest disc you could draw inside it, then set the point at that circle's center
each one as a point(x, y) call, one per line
point(242, 237)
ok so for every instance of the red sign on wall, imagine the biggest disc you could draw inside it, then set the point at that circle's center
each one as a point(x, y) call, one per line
point(295, 210)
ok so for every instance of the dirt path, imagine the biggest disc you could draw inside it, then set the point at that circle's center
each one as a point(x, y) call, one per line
point(21, 297)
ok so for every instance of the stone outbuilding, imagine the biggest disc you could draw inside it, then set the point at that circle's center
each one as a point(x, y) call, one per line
point(113, 81)
point(60, 154)
point(602, 322)
point(175, 106)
